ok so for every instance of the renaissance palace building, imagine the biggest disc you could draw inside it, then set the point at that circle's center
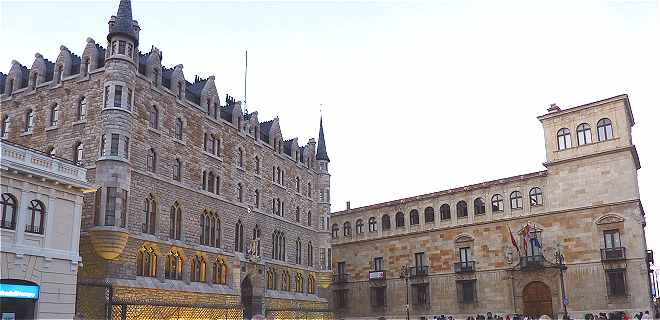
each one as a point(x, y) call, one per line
point(569, 238)
point(197, 203)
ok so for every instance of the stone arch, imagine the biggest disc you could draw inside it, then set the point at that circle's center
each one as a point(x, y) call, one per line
point(608, 219)
point(537, 299)
point(463, 237)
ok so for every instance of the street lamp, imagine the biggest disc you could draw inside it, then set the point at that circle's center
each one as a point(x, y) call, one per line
point(405, 274)
point(559, 258)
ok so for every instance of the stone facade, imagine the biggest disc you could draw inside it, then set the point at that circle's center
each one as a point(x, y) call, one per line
point(588, 194)
point(40, 248)
point(150, 139)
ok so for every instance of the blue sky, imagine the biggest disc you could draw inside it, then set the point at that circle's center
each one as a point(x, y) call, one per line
point(418, 96)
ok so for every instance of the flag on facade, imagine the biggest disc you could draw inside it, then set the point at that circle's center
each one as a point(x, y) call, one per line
point(535, 241)
point(525, 234)
point(513, 240)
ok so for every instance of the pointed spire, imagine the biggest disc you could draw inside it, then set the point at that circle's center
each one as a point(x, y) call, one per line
point(321, 153)
point(123, 22)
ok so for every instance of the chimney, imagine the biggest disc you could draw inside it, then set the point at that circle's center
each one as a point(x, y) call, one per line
point(554, 108)
point(348, 205)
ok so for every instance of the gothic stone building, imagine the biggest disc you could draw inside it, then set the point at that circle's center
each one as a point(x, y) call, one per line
point(450, 252)
point(197, 202)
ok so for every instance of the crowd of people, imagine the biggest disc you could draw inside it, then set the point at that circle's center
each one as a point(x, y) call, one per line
point(601, 316)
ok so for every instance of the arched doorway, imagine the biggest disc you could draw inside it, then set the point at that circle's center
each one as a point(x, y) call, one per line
point(246, 298)
point(537, 299)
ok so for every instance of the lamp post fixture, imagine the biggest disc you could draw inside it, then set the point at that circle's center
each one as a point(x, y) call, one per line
point(559, 258)
point(405, 274)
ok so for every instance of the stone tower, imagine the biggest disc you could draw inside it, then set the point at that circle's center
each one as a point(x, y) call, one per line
point(109, 236)
point(324, 202)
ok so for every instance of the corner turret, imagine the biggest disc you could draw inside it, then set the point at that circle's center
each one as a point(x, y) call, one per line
point(123, 23)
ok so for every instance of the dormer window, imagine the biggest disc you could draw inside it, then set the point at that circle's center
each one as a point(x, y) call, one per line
point(33, 80)
point(156, 73)
point(84, 70)
point(179, 90)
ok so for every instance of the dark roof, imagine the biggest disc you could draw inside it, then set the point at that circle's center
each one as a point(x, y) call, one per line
point(194, 90)
point(166, 76)
point(226, 112)
point(25, 73)
point(288, 147)
point(75, 64)
point(101, 56)
point(123, 22)
point(142, 63)
point(50, 67)
point(3, 77)
point(321, 153)
point(264, 127)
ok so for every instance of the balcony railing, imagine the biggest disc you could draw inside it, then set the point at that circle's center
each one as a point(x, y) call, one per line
point(340, 277)
point(419, 271)
point(613, 254)
point(33, 229)
point(7, 224)
point(531, 262)
point(377, 275)
point(464, 267)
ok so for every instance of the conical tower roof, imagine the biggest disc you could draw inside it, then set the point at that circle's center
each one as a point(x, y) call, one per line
point(122, 23)
point(321, 153)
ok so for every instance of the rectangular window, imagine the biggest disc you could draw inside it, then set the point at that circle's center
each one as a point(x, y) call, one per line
point(126, 146)
point(419, 259)
point(102, 145)
point(612, 239)
point(341, 267)
point(124, 207)
point(378, 264)
point(110, 205)
point(467, 291)
point(129, 99)
point(420, 294)
point(118, 92)
point(114, 144)
point(122, 47)
point(465, 254)
point(322, 258)
point(616, 282)
point(107, 96)
point(97, 207)
point(378, 296)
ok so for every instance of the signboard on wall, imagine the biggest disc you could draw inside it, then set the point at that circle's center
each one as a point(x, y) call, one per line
point(19, 291)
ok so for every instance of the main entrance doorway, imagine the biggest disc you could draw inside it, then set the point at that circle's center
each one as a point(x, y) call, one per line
point(537, 299)
point(246, 298)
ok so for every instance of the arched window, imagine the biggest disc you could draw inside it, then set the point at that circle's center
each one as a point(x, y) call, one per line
point(78, 152)
point(5, 126)
point(146, 262)
point(461, 209)
point(335, 231)
point(270, 280)
point(37, 215)
point(535, 197)
point(310, 254)
point(563, 139)
point(299, 282)
point(54, 115)
point(178, 129)
point(257, 165)
point(516, 200)
point(151, 160)
point(429, 215)
point(238, 237)
point(285, 284)
point(174, 266)
point(239, 190)
point(29, 120)
point(372, 225)
point(175, 221)
point(220, 271)
point(445, 212)
point(347, 229)
point(309, 218)
point(257, 199)
point(309, 191)
point(414, 217)
point(399, 220)
point(479, 206)
point(311, 284)
point(256, 236)
point(359, 226)
point(198, 269)
point(149, 224)
point(81, 109)
point(8, 202)
point(385, 222)
point(298, 251)
point(240, 157)
point(583, 134)
point(153, 117)
point(604, 127)
point(497, 203)
point(297, 214)
point(176, 170)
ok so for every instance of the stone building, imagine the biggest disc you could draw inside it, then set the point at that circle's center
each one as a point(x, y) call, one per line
point(578, 225)
point(198, 202)
point(41, 200)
